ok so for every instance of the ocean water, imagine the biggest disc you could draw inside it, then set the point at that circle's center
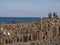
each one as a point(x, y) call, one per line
point(12, 20)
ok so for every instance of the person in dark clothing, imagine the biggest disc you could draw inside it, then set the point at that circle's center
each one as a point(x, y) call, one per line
point(55, 15)
point(49, 15)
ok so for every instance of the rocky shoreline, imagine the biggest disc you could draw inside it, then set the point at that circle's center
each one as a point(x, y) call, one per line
point(44, 32)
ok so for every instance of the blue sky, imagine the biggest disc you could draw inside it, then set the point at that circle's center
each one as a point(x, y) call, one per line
point(28, 8)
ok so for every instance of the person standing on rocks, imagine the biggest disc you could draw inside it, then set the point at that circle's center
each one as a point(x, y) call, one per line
point(49, 15)
point(55, 15)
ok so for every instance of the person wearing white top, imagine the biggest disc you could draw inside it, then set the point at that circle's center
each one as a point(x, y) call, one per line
point(8, 33)
point(1, 28)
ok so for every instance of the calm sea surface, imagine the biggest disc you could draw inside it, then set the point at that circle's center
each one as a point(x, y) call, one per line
point(11, 20)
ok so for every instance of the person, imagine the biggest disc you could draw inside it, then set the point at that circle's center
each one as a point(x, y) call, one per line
point(2, 29)
point(49, 15)
point(55, 15)
point(8, 33)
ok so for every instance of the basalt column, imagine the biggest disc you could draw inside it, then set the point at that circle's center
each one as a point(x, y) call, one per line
point(50, 34)
point(35, 35)
point(54, 32)
point(22, 38)
point(59, 31)
point(42, 32)
point(28, 37)
point(38, 35)
point(31, 36)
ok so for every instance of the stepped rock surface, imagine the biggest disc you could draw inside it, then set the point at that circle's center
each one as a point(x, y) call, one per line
point(44, 32)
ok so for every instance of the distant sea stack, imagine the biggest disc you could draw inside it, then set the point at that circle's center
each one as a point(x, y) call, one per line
point(44, 32)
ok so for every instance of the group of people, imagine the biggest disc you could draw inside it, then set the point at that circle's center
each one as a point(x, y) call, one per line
point(55, 15)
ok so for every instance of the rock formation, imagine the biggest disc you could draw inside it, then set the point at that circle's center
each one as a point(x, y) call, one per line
point(45, 32)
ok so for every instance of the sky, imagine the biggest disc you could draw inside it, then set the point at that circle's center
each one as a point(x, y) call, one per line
point(28, 8)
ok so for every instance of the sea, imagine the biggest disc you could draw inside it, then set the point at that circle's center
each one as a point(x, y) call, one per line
point(14, 20)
